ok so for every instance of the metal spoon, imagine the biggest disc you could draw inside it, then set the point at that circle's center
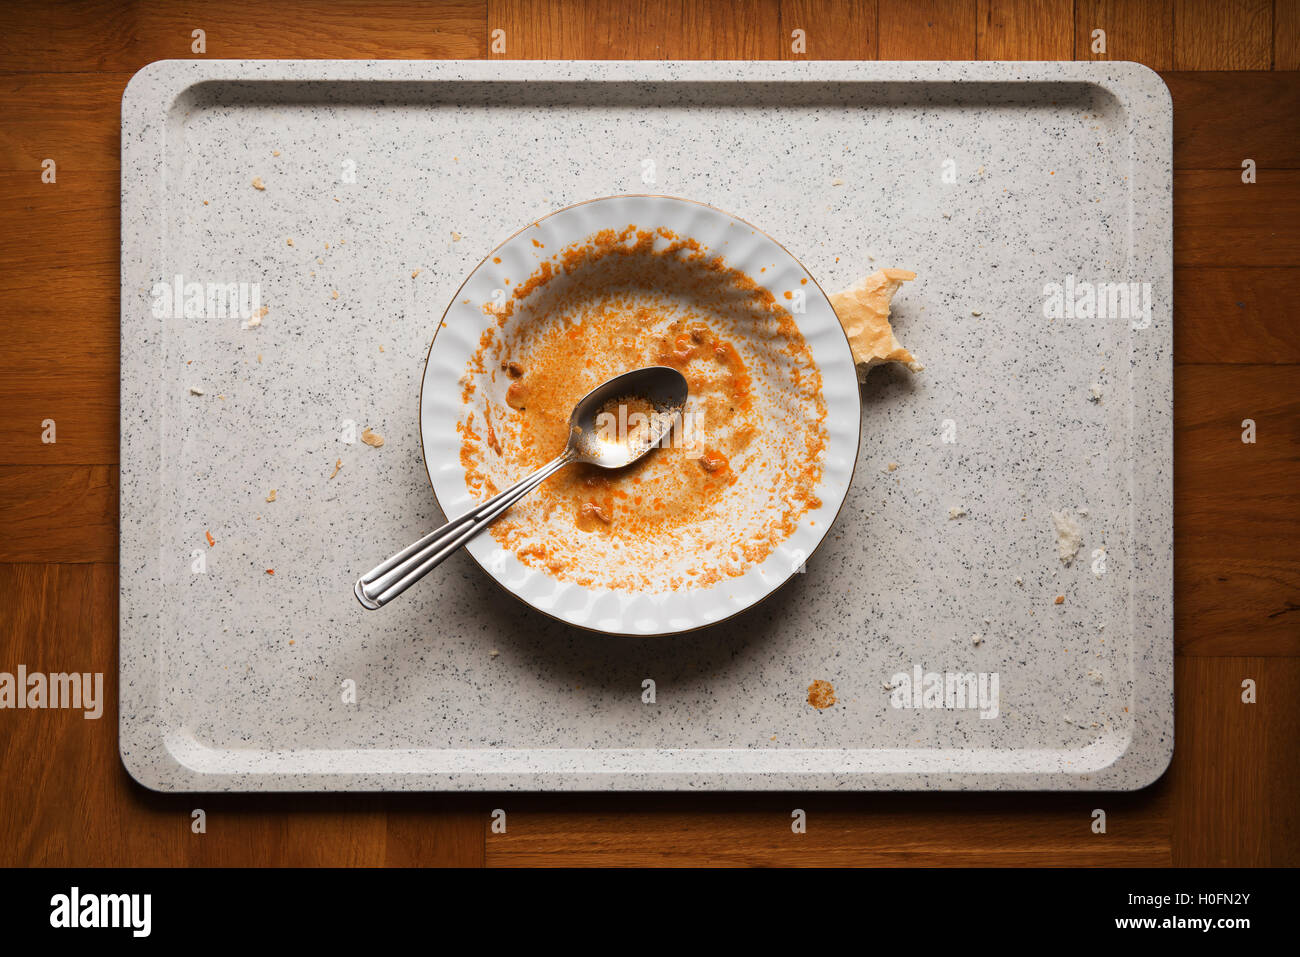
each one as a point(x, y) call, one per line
point(590, 440)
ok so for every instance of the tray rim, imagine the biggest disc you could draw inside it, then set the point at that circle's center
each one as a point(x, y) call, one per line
point(152, 752)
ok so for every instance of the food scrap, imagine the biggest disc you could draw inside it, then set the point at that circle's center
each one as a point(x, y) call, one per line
point(258, 184)
point(863, 311)
point(821, 694)
point(372, 439)
point(211, 541)
point(1060, 600)
point(271, 497)
point(1069, 535)
point(337, 465)
point(256, 318)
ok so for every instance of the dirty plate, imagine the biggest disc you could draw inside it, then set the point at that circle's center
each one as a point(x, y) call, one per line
point(646, 610)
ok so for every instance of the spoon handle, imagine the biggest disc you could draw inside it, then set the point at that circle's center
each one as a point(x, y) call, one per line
point(390, 578)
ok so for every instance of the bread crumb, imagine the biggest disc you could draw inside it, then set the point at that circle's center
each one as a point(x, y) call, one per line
point(372, 439)
point(211, 541)
point(259, 357)
point(957, 511)
point(1069, 535)
point(977, 640)
point(205, 202)
point(976, 314)
point(258, 184)
point(891, 466)
point(493, 653)
point(338, 464)
point(1094, 392)
point(270, 571)
point(414, 273)
point(837, 182)
point(1060, 600)
point(256, 318)
point(271, 497)
point(455, 236)
point(195, 390)
point(863, 310)
point(319, 262)
point(335, 294)
point(821, 694)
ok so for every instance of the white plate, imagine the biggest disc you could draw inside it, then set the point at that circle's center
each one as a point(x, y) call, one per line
point(744, 247)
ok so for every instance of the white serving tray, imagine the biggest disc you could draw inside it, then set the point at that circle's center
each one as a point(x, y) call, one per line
point(994, 181)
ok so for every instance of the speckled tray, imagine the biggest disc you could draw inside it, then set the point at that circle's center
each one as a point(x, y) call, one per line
point(991, 180)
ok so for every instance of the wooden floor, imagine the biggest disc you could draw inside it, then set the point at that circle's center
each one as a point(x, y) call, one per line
point(1232, 794)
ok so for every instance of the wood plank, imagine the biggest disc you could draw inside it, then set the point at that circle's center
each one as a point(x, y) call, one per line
point(56, 618)
point(833, 29)
point(1237, 509)
point(116, 36)
point(641, 30)
point(1223, 34)
point(1025, 30)
point(1286, 35)
point(58, 513)
point(73, 119)
point(59, 319)
point(880, 830)
point(1220, 221)
point(1221, 119)
point(435, 830)
point(1236, 315)
point(927, 29)
point(1138, 30)
point(1236, 789)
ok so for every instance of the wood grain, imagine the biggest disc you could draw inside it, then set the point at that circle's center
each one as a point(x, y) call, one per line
point(873, 830)
point(835, 29)
point(927, 29)
point(58, 513)
point(73, 119)
point(1139, 30)
point(1286, 35)
point(124, 35)
point(1025, 30)
point(678, 30)
point(1223, 34)
point(1236, 315)
point(1237, 510)
point(1224, 118)
point(1220, 221)
point(1229, 754)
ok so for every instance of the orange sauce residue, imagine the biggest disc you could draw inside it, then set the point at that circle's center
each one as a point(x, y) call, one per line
point(597, 309)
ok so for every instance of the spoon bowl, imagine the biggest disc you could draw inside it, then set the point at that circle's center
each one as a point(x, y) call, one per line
point(621, 419)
